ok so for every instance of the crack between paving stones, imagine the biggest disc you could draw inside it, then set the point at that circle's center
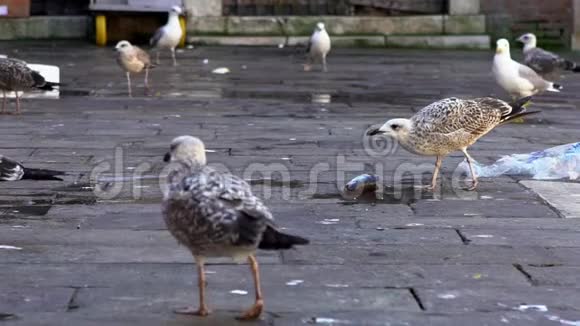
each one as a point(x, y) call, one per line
point(462, 236)
point(527, 275)
point(417, 299)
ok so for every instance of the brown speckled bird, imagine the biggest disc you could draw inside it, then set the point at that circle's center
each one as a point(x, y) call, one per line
point(16, 76)
point(133, 60)
point(215, 214)
point(449, 125)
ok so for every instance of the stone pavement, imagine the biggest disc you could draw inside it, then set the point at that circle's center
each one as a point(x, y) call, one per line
point(93, 250)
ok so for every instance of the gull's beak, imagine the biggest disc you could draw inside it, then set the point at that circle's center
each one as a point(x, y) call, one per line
point(520, 39)
point(166, 157)
point(498, 50)
point(374, 132)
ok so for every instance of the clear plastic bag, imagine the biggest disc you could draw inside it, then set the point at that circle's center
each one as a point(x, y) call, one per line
point(553, 163)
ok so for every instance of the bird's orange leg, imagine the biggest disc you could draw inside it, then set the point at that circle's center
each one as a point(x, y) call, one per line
point(473, 176)
point(435, 174)
point(3, 101)
point(256, 310)
point(202, 310)
point(146, 80)
point(17, 102)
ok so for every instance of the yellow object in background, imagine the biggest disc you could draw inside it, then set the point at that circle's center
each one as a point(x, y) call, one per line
point(101, 30)
point(183, 26)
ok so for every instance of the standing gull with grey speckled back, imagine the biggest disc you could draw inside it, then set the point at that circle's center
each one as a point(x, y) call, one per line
point(215, 214)
point(449, 125)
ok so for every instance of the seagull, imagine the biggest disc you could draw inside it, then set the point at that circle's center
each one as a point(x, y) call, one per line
point(215, 214)
point(318, 47)
point(516, 79)
point(449, 125)
point(16, 76)
point(549, 65)
point(11, 170)
point(168, 35)
point(133, 60)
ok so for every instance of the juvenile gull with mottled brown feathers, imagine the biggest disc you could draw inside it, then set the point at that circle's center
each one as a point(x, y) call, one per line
point(15, 75)
point(450, 125)
point(215, 214)
point(133, 59)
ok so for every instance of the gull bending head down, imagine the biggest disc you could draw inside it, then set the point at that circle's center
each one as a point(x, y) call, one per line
point(450, 125)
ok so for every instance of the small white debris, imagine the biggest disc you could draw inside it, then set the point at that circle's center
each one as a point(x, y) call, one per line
point(486, 197)
point(294, 282)
point(336, 285)
point(446, 296)
point(189, 46)
point(504, 320)
point(329, 221)
point(414, 224)
point(244, 67)
point(9, 247)
point(533, 307)
point(325, 320)
point(209, 272)
point(323, 110)
point(221, 71)
point(379, 228)
point(179, 51)
point(285, 159)
point(239, 292)
point(483, 236)
point(280, 46)
point(210, 151)
point(292, 139)
point(18, 226)
point(563, 321)
point(205, 61)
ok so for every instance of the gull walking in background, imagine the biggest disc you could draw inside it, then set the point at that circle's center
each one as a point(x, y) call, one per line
point(133, 60)
point(11, 170)
point(16, 76)
point(318, 48)
point(450, 125)
point(215, 214)
point(547, 64)
point(517, 79)
point(169, 35)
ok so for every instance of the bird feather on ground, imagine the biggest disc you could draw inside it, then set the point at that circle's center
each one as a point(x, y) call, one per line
point(547, 64)
point(169, 35)
point(318, 47)
point(450, 125)
point(215, 214)
point(132, 59)
point(16, 76)
point(517, 79)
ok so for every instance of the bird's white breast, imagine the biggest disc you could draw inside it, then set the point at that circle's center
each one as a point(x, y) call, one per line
point(171, 34)
point(320, 43)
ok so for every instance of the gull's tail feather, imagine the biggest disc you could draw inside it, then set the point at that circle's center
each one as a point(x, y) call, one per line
point(571, 66)
point(273, 239)
point(41, 174)
point(49, 86)
point(518, 109)
point(554, 88)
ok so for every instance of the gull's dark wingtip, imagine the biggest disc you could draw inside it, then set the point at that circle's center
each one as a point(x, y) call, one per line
point(273, 239)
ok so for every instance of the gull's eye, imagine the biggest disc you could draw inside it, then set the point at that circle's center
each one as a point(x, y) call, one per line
point(395, 127)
